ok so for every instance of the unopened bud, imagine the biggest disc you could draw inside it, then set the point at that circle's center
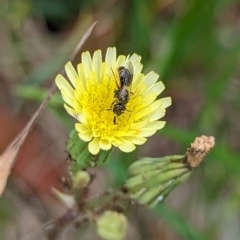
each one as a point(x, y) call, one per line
point(79, 153)
point(176, 182)
point(112, 225)
point(80, 179)
point(151, 178)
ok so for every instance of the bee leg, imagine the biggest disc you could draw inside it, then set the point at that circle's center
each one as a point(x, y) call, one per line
point(109, 109)
point(131, 89)
point(113, 103)
point(114, 120)
point(116, 94)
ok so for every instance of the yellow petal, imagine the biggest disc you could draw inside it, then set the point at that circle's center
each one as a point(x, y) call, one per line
point(151, 128)
point(142, 113)
point(71, 111)
point(139, 124)
point(155, 115)
point(137, 85)
point(78, 115)
point(63, 84)
point(124, 133)
point(82, 118)
point(120, 61)
point(127, 146)
point(138, 140)
point(93, 146)
point(150, 79)
point(135, 58)
point(76, 104)
point(115, 142)
point(83, 75)
point(81, 127)
point(105, 71)
point(105, 144)
point(71, 73)
point(146, 132)
point(149, 98)
point(96, 62)
point(156, 105)
point(126, 60)
point(166, 102)
point(111, 56)
point(87, 61)
point(137, 68)
point(67, 98)
point(85, 136)
point(156, 88)
point(155, 124)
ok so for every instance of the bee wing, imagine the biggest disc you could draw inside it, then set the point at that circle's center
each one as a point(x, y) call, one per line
point(130, 67)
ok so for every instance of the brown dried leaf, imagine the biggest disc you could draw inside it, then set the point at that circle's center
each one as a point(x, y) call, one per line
point(8, 157)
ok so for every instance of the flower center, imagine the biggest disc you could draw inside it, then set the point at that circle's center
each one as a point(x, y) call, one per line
point(97, 101)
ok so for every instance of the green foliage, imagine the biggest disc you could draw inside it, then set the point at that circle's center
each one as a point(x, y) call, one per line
point(36, 94)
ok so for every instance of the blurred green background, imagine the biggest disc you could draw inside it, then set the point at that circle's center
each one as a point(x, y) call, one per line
point(193, 45)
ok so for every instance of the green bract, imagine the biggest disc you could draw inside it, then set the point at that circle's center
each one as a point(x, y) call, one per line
point(152, 179)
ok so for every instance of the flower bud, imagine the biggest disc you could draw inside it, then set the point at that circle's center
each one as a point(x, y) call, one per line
point(176, 182)
point(112, 225)
point(79, 153)
point(80, 179)
point(151, 179)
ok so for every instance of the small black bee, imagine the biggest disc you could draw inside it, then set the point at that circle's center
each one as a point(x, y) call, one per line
point(122, 93)
point(126, 75)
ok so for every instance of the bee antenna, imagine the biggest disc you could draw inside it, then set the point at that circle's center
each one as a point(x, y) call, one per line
point(115, 77)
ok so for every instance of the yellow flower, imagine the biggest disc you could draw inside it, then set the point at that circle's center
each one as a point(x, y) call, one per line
point(89, 97)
